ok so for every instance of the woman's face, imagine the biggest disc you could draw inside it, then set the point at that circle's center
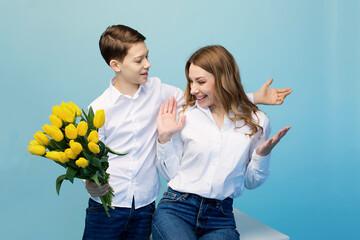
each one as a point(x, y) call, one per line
point(202, 84)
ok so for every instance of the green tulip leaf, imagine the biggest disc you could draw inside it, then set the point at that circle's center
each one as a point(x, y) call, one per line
point(70, 173)
point(92, 160)
point(95, 179)
point(86, 116)
point(59, 181)
point(113, 152)
point(102, 148)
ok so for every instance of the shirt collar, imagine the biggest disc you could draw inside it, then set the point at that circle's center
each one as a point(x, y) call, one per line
point(205, 110)
point(116, 94)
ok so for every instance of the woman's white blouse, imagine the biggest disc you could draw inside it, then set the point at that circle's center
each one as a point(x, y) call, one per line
point(212, 162)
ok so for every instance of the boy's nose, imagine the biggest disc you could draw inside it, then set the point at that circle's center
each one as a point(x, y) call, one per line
point(147, 64)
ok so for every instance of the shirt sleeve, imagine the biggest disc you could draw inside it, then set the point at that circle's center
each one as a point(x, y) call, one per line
point(169, 156)
point(168, 91)
point(258, 168)
point(250, 97)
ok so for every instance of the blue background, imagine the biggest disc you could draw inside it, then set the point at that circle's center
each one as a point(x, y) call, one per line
point(49, 53)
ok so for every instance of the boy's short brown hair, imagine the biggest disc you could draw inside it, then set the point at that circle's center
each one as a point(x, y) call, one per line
point(116, 40)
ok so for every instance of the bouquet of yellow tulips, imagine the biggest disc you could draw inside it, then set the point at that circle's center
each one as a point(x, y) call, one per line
point(75, 146)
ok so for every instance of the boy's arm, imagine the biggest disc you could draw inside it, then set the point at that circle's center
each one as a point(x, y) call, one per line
point(270, 96)
point(169, 91)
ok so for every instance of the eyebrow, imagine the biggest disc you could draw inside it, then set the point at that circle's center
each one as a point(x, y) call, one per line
point(141, 56)
point(198, 78)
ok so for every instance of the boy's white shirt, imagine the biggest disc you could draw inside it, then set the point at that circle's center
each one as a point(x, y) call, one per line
point(130, 127)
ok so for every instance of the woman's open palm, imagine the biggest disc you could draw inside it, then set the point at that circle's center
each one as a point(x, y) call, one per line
point(166, 120)
point(269, 144)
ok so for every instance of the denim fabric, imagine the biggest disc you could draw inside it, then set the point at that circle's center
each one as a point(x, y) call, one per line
point(123, 223)
point(186, 216)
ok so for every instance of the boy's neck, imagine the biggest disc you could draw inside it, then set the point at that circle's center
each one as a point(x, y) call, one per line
point(125, 87)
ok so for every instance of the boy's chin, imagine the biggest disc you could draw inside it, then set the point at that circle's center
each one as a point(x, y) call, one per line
point(143, 80)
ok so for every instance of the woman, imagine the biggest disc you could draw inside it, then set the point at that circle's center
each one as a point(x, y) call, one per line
point(223, 148)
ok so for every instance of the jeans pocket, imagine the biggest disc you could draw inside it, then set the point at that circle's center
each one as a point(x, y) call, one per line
point(226, 209)
point(152, 206)
point(95, 206)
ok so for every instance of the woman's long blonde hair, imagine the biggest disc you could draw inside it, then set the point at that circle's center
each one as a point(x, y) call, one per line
point(228, 91)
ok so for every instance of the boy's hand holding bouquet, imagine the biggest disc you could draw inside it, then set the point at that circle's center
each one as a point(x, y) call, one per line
point(75, 146)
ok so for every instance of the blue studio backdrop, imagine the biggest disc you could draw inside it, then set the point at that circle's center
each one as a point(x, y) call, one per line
point(49, 53)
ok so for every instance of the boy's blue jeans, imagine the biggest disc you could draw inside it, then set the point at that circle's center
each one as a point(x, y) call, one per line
point(189, 216)
point(123, 223)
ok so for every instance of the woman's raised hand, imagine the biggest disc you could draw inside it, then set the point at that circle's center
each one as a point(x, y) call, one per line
point(166, 120)
point(269, 144)
point(271, 96)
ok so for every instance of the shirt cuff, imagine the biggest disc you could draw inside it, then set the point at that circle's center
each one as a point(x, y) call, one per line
point(250, 97)
point(164, 150)
point(261, 163)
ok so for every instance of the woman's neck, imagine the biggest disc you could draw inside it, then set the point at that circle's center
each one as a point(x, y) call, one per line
point(218, 113)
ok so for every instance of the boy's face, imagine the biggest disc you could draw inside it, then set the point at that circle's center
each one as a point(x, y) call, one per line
point(135, 66)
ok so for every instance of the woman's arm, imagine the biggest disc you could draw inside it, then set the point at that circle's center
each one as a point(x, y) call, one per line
point(169, 144)
point(257, 170)
point(168, 157)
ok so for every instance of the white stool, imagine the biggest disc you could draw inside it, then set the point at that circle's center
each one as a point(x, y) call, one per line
point(252, 229)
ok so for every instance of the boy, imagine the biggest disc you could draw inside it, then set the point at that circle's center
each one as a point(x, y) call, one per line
point(131, 105)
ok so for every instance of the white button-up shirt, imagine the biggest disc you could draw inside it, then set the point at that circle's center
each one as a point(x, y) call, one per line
point(212, 162)
point(130, 127)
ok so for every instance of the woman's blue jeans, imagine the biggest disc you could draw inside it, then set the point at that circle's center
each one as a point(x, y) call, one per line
point(123, 223)
point(185, 216)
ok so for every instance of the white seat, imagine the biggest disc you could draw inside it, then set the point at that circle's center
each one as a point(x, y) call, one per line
point(252, 229)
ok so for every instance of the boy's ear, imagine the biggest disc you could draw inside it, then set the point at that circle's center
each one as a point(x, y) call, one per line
point(115, 65)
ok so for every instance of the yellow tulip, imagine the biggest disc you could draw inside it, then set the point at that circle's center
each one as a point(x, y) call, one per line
point(75, 147)
point(77, 109)
point(68, 106)
point(63, 158)
point(53, 155)
point(82, 128)
point(93, 136)
point(55, 121)
point(71, 131)
point(53, 132)
point(42, 138)
point(67, 115)
point(82, 162)
point(93, 147)
point(70, 154)
point(99, 118)
point(36, 150)
point(56, 110)
point(34, 142)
